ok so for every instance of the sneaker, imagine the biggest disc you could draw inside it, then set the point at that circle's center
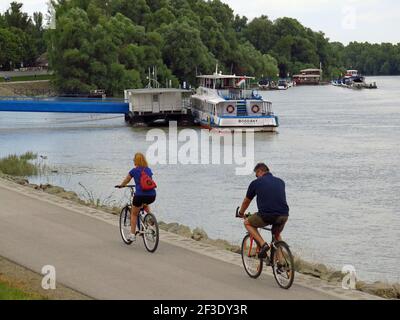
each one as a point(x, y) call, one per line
point(263, 251)
point(132, 237)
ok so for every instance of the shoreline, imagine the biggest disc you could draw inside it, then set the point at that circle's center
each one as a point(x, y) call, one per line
point(315, 270)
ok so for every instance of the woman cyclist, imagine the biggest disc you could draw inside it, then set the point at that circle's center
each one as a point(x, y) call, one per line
point(142, 198)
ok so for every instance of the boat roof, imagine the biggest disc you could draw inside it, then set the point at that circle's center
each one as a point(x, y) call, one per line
point(156, 90)
point(309, 70)
point(223, 76)
point(306, 75)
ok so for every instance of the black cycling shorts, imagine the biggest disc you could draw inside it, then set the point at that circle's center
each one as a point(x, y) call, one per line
point(139, 201)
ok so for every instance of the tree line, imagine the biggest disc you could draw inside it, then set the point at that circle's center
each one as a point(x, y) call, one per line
point(22, 38)
point(110, 44)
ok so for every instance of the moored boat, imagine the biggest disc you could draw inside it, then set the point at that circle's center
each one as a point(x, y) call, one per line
point(353, 80)
point(225, 102)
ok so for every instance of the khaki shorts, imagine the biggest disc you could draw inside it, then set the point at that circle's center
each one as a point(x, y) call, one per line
point(277, 222)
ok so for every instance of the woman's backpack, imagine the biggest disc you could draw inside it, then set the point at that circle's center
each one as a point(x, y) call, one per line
point(146, 182)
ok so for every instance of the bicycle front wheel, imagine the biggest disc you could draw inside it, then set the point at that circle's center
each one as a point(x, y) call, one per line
point(125, 225)
point(151, 234)
point(251, 262)
point(283, 265)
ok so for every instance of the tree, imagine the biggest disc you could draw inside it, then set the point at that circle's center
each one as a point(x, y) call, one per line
point(260, 34)
point(11, 48)
point(110, 44)
point(240, 24)
point(160, 17)
point(251, 62)
point(184, 52)
point(70, 52)
point(14, 17)
point(136, 10)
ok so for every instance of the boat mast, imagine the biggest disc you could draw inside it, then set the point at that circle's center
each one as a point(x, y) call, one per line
point(216, 73)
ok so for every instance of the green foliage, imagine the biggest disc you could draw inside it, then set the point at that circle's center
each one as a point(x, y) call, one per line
point(19, 165)
point(8, 292)
point(29, 78)
point(21, 37)
point(373, 59)
point(296, 47)
point(111, 44)
point(184, 51)
point(14, 17)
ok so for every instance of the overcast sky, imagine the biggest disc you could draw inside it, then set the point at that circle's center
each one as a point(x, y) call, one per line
point(341, 20)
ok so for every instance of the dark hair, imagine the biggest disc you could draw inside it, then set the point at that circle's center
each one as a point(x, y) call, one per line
point(261, 166)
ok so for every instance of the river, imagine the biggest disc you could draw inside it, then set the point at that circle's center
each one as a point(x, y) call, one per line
point(337, 149)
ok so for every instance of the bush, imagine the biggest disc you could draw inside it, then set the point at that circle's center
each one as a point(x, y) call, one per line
point(19, 165)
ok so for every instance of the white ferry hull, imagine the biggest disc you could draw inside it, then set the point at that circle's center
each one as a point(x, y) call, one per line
point(258, 124)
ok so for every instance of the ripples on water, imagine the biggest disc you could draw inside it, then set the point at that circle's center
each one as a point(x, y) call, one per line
point(337, 149)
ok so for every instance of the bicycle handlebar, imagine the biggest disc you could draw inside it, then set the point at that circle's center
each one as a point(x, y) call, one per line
point(128, 186)
point(239, 216)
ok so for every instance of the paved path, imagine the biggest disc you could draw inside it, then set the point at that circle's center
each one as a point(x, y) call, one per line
point(89, 257)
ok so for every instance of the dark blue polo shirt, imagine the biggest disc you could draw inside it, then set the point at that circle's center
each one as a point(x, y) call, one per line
point(271, 196)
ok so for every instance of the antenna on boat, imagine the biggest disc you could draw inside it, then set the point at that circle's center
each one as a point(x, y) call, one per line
point(152, 77)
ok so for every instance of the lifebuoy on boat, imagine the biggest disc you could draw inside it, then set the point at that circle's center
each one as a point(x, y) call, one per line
point(255, 109)
point(230, 109)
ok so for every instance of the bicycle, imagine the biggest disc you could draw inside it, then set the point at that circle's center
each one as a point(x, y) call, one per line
point(147, 225)
point(279, 257)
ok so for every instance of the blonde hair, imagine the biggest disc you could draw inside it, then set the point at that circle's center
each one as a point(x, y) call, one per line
point(140, 160)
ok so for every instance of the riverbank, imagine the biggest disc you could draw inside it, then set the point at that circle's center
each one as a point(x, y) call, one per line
point(27, 87)
point(315, 270)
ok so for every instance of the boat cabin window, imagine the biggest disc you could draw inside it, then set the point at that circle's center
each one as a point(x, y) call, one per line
point(220, 84)
point(208, 83)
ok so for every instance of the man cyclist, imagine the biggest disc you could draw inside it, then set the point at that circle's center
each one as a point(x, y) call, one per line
point(272, 206)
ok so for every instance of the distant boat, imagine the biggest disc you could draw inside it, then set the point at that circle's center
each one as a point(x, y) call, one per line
point(267, 84)
point(353, 80)
point(308, 77)
point(285, 84)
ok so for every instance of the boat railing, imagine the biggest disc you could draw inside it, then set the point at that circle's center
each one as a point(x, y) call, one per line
point(267, 107)
point(238, 94)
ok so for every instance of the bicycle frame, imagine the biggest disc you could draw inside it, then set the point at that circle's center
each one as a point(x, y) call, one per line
point(253, 241)
point(140, 218)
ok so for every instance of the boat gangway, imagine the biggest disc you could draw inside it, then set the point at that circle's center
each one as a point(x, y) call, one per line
point(64, 105)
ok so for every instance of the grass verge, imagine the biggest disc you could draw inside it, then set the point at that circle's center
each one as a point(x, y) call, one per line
point(19, 165)
point(28, 78)
point(9, 292)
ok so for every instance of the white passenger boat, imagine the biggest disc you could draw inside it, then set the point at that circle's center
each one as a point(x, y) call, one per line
point(225, 102)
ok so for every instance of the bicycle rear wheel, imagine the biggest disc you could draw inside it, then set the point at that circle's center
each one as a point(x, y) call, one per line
point(151, 234)
point(125, 224)
point(251, 262)
point(283, 265)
